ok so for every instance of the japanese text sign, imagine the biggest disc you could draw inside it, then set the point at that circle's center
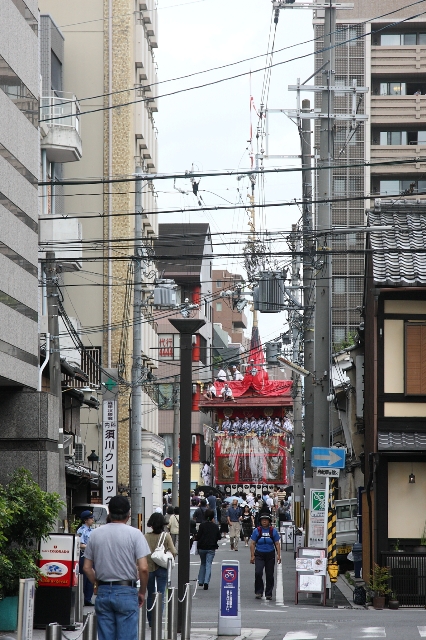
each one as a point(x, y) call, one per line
point(229, 590)
point(110, 432)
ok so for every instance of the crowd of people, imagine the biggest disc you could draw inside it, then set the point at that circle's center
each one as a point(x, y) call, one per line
point(119, 567)
point(254, 426)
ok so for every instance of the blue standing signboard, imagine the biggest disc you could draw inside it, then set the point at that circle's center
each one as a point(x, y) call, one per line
point(229, 591)
point(229, 607)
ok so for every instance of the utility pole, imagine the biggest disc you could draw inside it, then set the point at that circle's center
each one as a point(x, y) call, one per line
point(323, 227)
point(176, 415)
point(308, 298)
point(52, 294)
point(297, 397)
point(187, 328)
point(136, 423)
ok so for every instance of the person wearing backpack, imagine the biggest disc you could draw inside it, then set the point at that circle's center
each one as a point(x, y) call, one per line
point(264, 543)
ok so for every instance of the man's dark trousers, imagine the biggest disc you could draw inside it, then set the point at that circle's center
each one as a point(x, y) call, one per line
point(264, 561)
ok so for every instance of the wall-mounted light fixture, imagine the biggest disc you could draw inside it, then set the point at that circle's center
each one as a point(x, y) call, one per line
point(411, 478)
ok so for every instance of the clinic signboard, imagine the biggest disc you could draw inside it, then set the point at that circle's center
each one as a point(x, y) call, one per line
point(59, 561)
point(110, 434)
point(229, 605)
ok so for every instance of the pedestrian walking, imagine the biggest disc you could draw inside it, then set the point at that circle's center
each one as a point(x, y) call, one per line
point(200, 512)
point(224, 526)
point(84, 532)
point(265, 541)
point(211, 499)
point(173, 527)
point(284, 511)
point(114, 556)
point(207, 538)
point(247, 523)
point(169, 512)
point(157, 579)
point(234, 520)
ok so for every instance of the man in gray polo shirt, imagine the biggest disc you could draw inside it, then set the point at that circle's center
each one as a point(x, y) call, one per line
point(119, 553)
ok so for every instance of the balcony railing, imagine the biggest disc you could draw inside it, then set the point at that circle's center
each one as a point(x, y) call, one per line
point(60, 110)
point(60, 126)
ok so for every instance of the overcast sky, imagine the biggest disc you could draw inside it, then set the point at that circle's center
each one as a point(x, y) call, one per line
point(208, 128)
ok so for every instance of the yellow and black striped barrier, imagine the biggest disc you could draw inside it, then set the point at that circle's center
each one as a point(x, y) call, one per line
point(331, 535)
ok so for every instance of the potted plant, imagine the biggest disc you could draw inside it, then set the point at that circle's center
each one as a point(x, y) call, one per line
point(422, 547)
point(27, 514)
point(379, 585)
point(393, 601)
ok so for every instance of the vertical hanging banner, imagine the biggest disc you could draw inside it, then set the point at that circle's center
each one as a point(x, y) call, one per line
point(109, 431)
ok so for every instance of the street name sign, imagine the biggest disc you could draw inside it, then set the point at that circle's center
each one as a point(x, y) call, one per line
point(327, 473)
point(332, 458)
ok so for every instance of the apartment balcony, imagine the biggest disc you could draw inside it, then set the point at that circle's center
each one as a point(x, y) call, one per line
point(63, 236)
point(390, 153)
point(60, 127)
point(398, 110)
point(398, 60)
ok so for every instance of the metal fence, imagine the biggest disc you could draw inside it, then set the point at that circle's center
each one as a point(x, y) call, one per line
point(408, 581)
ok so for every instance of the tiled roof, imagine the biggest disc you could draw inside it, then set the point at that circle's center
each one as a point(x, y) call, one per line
point(399, 255)
point(401, 441)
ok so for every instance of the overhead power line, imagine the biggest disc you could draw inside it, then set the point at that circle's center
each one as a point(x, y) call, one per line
point(102, 95)
point(149, 177)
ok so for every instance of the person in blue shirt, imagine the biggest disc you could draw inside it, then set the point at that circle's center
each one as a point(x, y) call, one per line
point(264, 542)
point(84, 532)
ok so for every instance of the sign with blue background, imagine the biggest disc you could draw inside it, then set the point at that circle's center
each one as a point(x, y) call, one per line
point(229, 590)
point(333, 458)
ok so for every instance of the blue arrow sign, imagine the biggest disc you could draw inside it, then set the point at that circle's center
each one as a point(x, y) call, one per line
point(332, 458)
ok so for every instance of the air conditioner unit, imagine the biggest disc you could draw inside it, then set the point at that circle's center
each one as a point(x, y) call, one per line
point(194, 439)
point(80, 452)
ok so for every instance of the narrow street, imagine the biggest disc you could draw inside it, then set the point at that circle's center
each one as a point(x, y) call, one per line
point(310, 621)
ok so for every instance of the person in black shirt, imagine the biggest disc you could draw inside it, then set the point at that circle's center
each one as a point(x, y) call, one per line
point(200, 512)
point(207, 538)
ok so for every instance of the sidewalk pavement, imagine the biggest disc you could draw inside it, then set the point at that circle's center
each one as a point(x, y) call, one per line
point(259, 617)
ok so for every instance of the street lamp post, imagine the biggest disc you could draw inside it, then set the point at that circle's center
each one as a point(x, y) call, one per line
point(186, 327)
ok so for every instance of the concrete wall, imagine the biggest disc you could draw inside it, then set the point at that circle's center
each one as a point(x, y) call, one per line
point(18, 230)
point(407, 502)
point(29, 435)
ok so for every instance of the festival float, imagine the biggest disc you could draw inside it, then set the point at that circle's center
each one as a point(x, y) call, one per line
point(252, 431)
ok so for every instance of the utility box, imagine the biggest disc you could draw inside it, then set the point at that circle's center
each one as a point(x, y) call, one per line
point(271, 292)
point(165, 293)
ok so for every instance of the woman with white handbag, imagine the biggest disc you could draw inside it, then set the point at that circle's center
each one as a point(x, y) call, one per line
point(162, 548)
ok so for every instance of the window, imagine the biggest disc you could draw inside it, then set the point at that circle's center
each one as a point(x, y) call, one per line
point(402, 187)
point(339, 185)
point(169, 346)
point(218, 306)
point(219, 284)
point(203, 350)
point(393, 89)
point(393, 137)
point(164, 395)
point(339, 334)
point(415, 359)
point(339, 285)
point(398, 39)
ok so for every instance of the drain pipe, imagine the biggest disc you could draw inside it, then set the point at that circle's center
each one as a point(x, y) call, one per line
point(41, 369)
